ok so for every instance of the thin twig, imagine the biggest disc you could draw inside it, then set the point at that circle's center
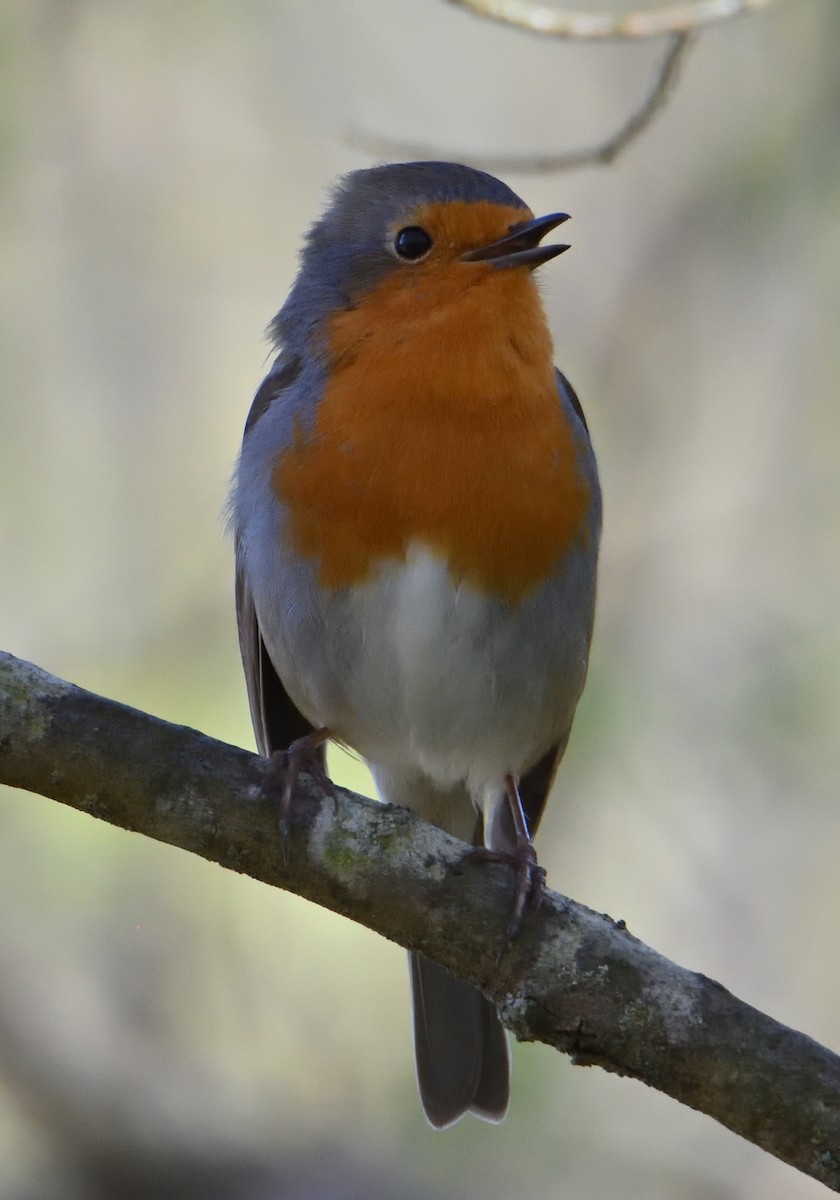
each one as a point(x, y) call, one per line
point(586, 26)
point(603, 152)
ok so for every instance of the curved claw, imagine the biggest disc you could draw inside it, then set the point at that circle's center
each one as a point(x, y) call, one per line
point(530, 882)
point(285, 766)
point(530, 876)
point(530, 889)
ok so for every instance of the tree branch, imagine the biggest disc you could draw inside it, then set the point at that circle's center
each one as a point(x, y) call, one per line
point(600, 154)
point(547, 21)
point(575, 979)
point(680, 22)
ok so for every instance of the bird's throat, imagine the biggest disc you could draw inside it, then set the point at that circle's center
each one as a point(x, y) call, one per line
point(440, 426)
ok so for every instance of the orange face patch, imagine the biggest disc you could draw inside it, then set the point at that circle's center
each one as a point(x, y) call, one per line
point(458, 226)
point(440, 424)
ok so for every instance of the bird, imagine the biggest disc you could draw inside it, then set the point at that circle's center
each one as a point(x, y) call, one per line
point(416, 515)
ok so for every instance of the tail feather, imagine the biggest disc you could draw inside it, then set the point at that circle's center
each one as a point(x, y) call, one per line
point(463, 1062)
point(461, 1049)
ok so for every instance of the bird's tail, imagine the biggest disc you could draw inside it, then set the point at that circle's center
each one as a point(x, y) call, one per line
point(463, 1062)
point(461, 1049)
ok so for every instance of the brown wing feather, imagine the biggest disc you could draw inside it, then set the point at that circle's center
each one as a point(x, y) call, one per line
point(277, 722)
point(535, 784)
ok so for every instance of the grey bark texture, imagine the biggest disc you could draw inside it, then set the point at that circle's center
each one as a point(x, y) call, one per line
point(574, 979)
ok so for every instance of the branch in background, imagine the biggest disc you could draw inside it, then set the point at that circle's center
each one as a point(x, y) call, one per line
point(575, 979)
point(546, 21)
point(600, 154)
point(680, 22)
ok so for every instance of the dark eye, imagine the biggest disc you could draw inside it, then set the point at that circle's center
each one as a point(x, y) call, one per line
point(412, 242)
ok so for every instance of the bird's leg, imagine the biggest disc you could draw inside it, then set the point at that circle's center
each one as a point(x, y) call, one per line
point(530, 876)
point(284, 768)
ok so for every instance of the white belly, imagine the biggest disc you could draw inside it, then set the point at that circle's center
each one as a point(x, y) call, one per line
point(457, 685)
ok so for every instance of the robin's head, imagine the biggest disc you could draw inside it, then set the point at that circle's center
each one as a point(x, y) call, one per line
point(418, 234)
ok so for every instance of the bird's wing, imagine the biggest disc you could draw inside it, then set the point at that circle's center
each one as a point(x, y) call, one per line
point(535, 784)
point(566, 390)
point(276, 720)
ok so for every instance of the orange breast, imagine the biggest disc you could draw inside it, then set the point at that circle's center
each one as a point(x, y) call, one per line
point(440, 425)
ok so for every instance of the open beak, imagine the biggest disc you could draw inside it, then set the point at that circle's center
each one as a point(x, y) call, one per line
point(521, 248)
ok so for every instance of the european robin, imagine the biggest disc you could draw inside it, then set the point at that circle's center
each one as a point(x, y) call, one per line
point(417, 512)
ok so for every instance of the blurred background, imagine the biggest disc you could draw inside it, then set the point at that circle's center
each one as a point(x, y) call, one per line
point(168, 1029)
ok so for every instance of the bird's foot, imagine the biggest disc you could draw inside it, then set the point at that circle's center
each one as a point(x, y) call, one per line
point(530, 876)
point(530, 882)
point(283, 770)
